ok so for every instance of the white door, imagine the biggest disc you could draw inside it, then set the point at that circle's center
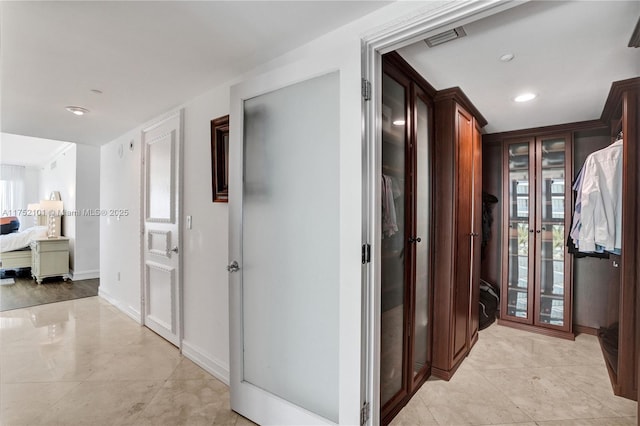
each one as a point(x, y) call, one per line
point(161, 270)
point(285, 253)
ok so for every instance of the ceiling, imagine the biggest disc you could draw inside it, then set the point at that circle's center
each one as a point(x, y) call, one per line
point(149, 57)
point(568, 53)
point(29, 151)
point(145, 57)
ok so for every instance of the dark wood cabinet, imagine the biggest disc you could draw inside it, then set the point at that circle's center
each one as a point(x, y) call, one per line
point(458, 210)
point(430, 228)
point(621, 337)
point(601, 294)
point(406, 235)
point(536, 266)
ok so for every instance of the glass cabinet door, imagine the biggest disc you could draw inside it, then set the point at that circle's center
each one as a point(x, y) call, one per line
point(550, 232)
point(518, 234)
point(392, 246)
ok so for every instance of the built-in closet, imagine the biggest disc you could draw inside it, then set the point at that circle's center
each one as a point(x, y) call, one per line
point(406, 245)
point(431, 192)
point(600, 293)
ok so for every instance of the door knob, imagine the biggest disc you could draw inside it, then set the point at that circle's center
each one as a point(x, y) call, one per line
point(233, 267)
point(175, 249)
point(415, 240)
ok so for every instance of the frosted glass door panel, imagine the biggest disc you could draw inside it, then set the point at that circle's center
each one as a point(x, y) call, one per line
point(423, 215)
point(392, 246)
point(290, 243)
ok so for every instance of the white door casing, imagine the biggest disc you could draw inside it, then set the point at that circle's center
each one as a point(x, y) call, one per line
point(162, 284)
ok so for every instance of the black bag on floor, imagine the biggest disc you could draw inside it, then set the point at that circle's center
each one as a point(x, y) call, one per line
point(489, 303)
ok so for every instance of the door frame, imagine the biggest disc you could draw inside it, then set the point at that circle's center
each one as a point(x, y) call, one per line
point(417, 27)
point(179, 193)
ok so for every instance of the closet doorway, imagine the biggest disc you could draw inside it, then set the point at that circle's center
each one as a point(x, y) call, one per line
point(406, 242)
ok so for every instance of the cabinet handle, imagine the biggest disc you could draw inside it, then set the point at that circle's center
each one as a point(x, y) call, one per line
point(538, 231)
point(415, 240)
point(531, 230)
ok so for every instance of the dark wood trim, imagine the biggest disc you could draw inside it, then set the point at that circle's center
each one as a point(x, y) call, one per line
point(627, 351)
point(537, 329)
point(613, 377)
point(456, 94)
point(583, 329)
point(391, 413)
point(613, 105)
point(447, 374)
point(220, 159)
point(394, 58)
point(544, 131)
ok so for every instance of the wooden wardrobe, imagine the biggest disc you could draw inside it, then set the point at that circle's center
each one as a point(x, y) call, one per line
point(430, 247)
point(458, 224)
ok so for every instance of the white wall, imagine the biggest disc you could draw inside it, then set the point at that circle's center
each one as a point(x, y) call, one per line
point(75, 172)
point(206, 293)
point(205, 247)
point(120, 188)
point(87, 244)
point(59, 174)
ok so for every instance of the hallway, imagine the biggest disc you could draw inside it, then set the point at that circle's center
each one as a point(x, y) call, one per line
point(83, 362)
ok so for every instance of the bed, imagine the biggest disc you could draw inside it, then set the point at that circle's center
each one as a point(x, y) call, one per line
point(14, 248)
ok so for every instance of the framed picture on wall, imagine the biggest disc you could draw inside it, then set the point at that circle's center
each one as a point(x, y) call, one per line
point(220, 159)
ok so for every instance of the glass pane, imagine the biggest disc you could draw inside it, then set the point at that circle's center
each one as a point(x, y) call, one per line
point(290, 250)
point(393, 238)
point(519, 198)
point(552, 232)
point(160, 176)
point(423, 213)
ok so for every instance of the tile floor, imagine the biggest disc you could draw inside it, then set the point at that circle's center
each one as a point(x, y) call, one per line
point(83, 362)
point(513, 377)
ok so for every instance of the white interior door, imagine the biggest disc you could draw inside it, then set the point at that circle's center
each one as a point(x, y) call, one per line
point(161, 270)
point(284, 237)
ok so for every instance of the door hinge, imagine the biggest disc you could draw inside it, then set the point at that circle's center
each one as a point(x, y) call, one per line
point(366, 253)
point(364, 414)
point(366, 89)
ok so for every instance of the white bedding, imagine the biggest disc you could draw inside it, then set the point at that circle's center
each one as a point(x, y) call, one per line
point(18, 240)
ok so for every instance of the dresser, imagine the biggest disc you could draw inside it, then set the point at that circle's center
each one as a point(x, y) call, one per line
point(50, 258)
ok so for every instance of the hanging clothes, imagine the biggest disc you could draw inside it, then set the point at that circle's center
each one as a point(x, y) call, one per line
point(389, 220)
point(600, 198)
point(488, 201)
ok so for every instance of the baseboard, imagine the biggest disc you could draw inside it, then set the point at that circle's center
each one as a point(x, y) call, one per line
point(128, 310)
point(540, 330)
point(211, 365)
point(583, 329)
point(84, 275)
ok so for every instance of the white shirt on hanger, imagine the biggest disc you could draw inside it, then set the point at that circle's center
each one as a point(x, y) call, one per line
point(601, 199)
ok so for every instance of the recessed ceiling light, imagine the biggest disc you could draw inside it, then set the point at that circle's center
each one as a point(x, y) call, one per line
point(525, 97)
point(398, 123)
point(77, 110)
point(507, 57)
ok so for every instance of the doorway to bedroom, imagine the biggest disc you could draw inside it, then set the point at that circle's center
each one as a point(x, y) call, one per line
point(49, 205)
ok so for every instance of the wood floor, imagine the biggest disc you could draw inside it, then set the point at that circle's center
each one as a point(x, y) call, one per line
point(26, 292)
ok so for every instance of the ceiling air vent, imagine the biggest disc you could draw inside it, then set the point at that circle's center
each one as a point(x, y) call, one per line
point(445, 37)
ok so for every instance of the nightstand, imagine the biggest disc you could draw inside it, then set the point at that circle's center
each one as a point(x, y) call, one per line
point(50, 258)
